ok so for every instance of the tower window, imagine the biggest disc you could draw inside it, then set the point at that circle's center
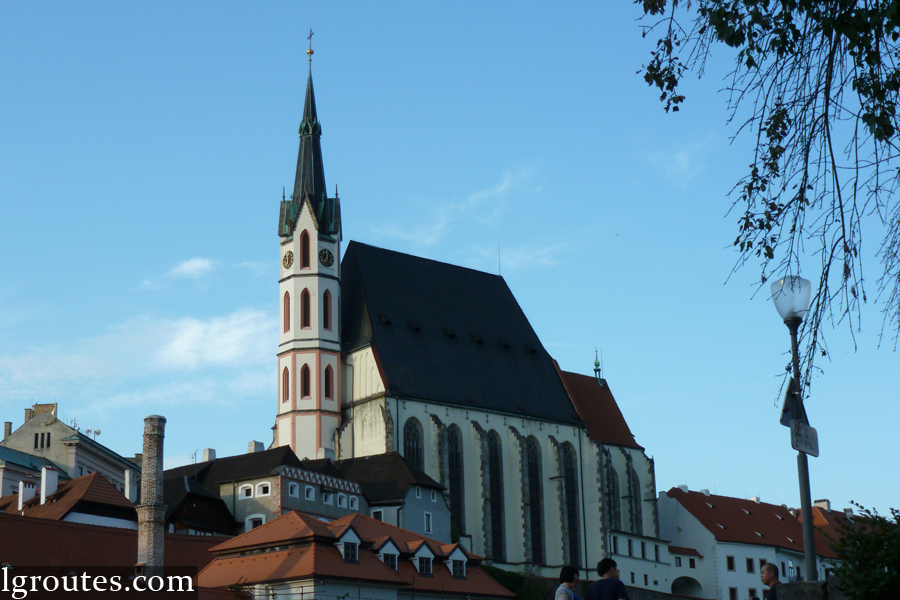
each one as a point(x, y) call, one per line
point(285, 385)
point(304, 381)
point(304, 309)
point(326, 310)
point(287, 312)
point(495, 472)
point(328, 384)
point(413, 447)
point(304, 250)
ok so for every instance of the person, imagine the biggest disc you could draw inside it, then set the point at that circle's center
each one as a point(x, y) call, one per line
point(609, 586)
point(768, 574)
point(568, 579)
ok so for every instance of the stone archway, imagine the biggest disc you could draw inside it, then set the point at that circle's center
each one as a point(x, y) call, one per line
point(687, 586)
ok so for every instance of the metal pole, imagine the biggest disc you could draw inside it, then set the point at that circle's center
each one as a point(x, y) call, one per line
point(809, 540)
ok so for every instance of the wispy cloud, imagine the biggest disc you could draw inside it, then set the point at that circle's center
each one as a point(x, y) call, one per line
point(519, 257)
point(682, 164)
point(193, 268)
point(481, 206)
point(228, 341)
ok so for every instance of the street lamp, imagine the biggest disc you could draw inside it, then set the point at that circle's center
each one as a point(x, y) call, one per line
point(791, 297)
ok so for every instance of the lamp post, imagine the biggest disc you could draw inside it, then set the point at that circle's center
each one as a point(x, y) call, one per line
point(791, 296)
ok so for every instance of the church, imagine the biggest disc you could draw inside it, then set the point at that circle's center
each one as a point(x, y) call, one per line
point(382, 351)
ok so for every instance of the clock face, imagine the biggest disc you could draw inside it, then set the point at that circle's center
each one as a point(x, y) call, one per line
point(288, 259)
point(326, 257)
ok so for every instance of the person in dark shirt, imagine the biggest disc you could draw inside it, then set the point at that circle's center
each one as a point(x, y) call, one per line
point(768, 574)
point(609, 586)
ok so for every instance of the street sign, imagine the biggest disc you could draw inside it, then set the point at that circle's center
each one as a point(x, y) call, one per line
point(792, 408)
point(804, 438)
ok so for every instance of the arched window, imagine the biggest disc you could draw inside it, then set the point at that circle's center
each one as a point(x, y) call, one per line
point(304, 250)
point(326, 310)
point(535, 499)
point(328, 384)
point(413, 444)
point(570, 487)
point(285, 385)
point(613, 499)
point(637, 517)
point(304, 381)
point(455, 464)
point(287, 312)
point(304, 309)
point(495, 469)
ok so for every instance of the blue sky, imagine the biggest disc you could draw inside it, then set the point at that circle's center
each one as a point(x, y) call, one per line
point(144, 151)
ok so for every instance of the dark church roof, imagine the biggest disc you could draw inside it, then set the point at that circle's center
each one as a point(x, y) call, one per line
point(448, 334)
point(385, 477)
point(211, 473)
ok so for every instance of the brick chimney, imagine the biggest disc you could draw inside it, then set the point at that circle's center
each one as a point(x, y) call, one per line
point(29, 412)
point(7, 429)
point(49, 482)
point(151, 511)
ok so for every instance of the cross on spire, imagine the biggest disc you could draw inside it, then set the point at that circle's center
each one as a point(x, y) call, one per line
point(310, 51)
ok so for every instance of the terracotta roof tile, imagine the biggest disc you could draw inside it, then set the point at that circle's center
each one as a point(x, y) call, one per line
point(372, 529)
point(748, 522)
point(293, 526)
point(92, 489)
point(684, 551)
point(597, 407)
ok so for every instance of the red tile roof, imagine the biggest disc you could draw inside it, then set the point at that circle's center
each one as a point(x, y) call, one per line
point(684, 551)
point(293, 526)
point(748, 522)
point(597, 407)
point(93, 489)
point(372, 529)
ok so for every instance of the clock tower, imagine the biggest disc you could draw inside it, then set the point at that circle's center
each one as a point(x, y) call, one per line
point(309, 351)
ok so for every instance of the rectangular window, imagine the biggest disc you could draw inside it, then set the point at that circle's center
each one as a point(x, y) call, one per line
point(391, 561)
point(646, 580)
point(48, 439)
point(428, 522)
point(751, 567)
point(378, 515)
point(615, 544)
point(326, 498)
point(351, 551)
point(254, 523)
point(692, 563)
point(732, 594)
point(433, 496)
point(677, 561)
point(656, 552)
point(644, 550)
point(342, 500)
point(632, 577)
point(354, 503)
point(418, 492)
point(310, 493)
point(751, 593)
point(424, 565)
point(783, 571)
point(35, 441)
point(729, 564)
point(762, 562)
point(459, 568)
point(631, 549)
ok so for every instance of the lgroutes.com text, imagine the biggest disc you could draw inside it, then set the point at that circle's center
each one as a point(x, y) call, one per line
point(19, 586)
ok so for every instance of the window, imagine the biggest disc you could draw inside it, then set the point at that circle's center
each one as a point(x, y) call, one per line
point(304, 382)
point(80, 471)
point(428, 522)
point(424, 565)
point(262, 489)
point(457, 489)
point(351, 551)
point(390, 560)
point(644, 550)
point(570, 488)
point(246, 491)
point(613, 497)
point(751, 593)
point(413, 444)
point(656, 552)
point(729, 563)
point(646, 580)
point(751, 567)
point(354, 503)
point(692, 563)
point(495, 475)
point(762, 562)
point(637, 517)
point(378, 515)
point(285, 385)
point(326, 498)
point(329, 383)
point(294, 490)
point(677, 561)
point(342, 500)
point(287, 312)
point(630, 547)
point(304, 309)
point(304, 250)
point(326, 310)
point(615, 544)
point(254, 523)
point(433, 496)
point(309, 493)
point(783, 571)
point(732, 594)
point(35, 441)
point(459, 568)
point(632, 577)
point(418, 492)
point(535, 498)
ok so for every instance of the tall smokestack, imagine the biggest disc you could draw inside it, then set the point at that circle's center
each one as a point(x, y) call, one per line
point(151, 511)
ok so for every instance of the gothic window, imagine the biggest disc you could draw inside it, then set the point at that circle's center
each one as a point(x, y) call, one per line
point(328, 384)
point(495, 468)
point(304, 381)
point(413, 443)
point(455, 460)
point(570, 486)
point(304, 309)
point(535, 499)
point(326, 310)
point(285, 385)
point(304, 250)
point(287, 312)
point(637, 520)
point(613, 499)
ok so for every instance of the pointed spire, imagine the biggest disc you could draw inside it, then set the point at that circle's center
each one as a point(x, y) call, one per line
point(309, 182)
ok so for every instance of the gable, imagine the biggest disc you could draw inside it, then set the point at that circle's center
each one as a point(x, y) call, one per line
point(448, 334)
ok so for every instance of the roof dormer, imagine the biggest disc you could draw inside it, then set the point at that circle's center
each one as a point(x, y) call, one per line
point(422, 557)
point(348, 545)
point(455, 562)
point(387, 551)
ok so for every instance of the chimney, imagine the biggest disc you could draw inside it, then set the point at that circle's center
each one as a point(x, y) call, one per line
point(255, 446)
point(704, 492)
point(130, 487)
point(848, 512)
point(755, 499)
point(209, 454)
point(26, 493)
point(824, 503)
point(29, 412)
point(7, 430)
point(151, 510)
point(683, 488)
point(325, 453)
point(49, 482)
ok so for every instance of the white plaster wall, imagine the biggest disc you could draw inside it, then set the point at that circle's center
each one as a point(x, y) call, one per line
point(74, 517)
